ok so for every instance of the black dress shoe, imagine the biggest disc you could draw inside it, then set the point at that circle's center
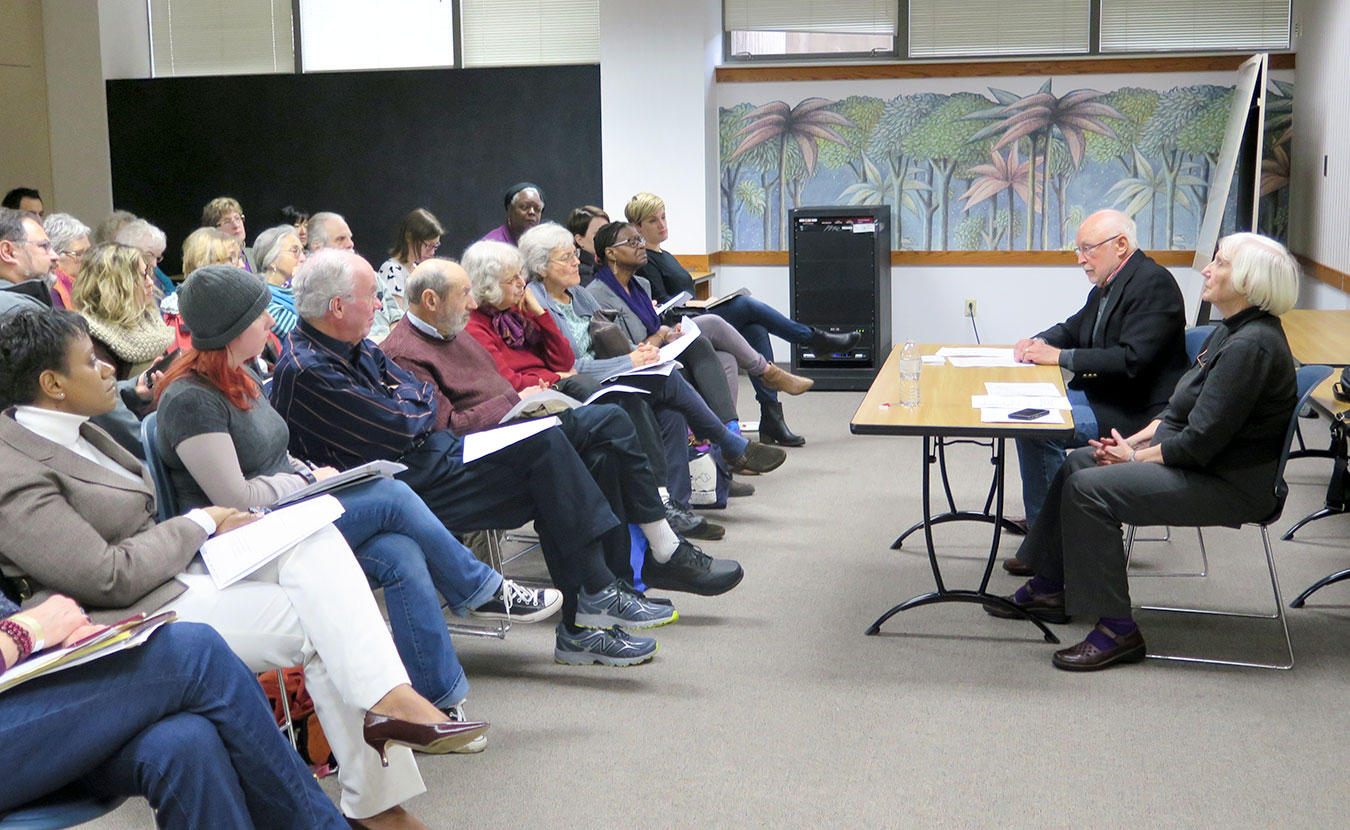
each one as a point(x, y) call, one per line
point(1044, 607)
point(758, 458)
point(692, 571)
point(1017, 567)
point(1128, 648)
point(831, 341)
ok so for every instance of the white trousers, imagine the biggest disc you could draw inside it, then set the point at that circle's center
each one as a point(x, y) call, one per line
point(312, 607)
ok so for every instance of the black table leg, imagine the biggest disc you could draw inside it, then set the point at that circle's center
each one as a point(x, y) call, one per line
point(1338, 489)
point(942, 594)
point(1319, 585)
point(952, 514)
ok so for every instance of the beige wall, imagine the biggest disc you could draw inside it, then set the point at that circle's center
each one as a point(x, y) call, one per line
point(76, 109)
point(27, 157)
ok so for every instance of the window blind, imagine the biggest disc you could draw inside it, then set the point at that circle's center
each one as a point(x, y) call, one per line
point(1173, 25)
point(955, 28)
point(220, 37)
point(389, 34)
point(530, 32)
point(855, 17)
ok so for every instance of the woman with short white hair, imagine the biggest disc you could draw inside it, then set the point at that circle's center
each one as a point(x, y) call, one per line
point(70, 240)
point(1209, 458)
point(279, 253)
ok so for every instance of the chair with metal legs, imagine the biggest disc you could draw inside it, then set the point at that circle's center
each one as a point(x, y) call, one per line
point(1308, 378)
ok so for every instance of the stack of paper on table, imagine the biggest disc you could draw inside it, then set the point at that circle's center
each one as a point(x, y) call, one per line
point(1003, 398)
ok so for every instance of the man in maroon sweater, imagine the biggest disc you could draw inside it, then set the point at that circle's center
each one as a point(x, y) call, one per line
point(472, 396)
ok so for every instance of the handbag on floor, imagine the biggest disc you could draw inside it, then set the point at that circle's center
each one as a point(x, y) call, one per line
point(709, 478)
point(310, 741)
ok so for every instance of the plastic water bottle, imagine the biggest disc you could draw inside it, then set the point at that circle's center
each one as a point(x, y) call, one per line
point(910, 363)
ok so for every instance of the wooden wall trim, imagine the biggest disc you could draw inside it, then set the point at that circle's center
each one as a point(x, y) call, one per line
point(1322, 273)
point(697, 262)
point(983, 69)
point(971, 258)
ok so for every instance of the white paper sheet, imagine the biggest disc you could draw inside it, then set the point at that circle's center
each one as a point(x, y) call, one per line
point(1020, 402)
point(232, 556)
point(480, 444)
point(988, 363)
point(1020, 390)
point(615, 387)
point(933, 360)
point(975, 351)
point(689, 331)
point(664, 367)
point(999, 415)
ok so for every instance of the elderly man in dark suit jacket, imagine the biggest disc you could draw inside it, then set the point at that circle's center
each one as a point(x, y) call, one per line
point(1126, 348)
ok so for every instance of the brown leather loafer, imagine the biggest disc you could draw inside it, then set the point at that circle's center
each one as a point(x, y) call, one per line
point(1017, 567)
point(1044, 607)
point(1128, 648)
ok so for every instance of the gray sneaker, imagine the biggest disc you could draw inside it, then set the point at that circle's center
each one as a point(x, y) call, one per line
point(688, 525)
point(617, 604)
point(606, 646)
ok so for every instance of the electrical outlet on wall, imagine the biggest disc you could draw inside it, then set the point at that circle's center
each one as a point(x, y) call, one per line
point(970, 307)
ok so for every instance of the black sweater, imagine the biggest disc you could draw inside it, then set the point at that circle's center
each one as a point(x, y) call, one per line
point(666, 275)
point(1229, 414)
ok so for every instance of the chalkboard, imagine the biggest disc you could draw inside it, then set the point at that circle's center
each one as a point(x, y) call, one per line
point(369, 145)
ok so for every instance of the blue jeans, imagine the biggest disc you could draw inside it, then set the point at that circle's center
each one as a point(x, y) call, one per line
point(179, 720)
point(404, 548)
point(1040, 459)
point(756, 321)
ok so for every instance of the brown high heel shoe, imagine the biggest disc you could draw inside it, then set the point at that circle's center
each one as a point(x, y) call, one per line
point(432, 738)
point(783, 381)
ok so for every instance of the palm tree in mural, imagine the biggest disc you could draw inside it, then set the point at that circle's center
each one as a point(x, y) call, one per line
point(1041, 117)
point(1003, 173)
point(802, 125)
point(1151, 185)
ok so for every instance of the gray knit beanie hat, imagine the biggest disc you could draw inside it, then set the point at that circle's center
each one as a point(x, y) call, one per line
point(217, 302)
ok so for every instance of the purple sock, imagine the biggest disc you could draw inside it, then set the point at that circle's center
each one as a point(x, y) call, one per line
point(1119, 625)
point(1041, 585)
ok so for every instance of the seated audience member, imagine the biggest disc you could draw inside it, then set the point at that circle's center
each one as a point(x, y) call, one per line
point(551, 264)
point(1126, 348)
point(70, 240)
point(25, 198)
point(69, 488)
point(329, 230)
point(1209, 458)
point(106, 231)
point(25, 251)
point(617, 286)
point(524, 208)
point(192, 730)
point(224, 214)
point(116, 295)
point(298, 219)
point(417, 238)
point(471, 396)
point(224, 444)
point(208, 246)
point(279, 253)
point(511, 323)
point(583, 222)
point(151, 242)
point(345, 404)
point(754, 320)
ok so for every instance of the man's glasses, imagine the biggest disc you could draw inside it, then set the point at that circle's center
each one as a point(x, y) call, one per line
point(45, 245)
point(1084, 250)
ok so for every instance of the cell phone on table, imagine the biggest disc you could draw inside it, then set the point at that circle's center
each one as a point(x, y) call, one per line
point(1028, 414)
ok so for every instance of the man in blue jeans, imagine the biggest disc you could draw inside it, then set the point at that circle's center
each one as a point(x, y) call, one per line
point(1126, 348)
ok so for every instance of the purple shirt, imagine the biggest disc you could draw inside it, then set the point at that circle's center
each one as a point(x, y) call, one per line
point(500, 234)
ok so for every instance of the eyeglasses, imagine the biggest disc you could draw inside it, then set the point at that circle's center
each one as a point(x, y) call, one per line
point(74, 254)
point(1084, 250)
point(152, 258)
point(430, 247)
point(634, 242)
point(232, 219)
point(295, 251)
point(567, 258)
point(44, 245)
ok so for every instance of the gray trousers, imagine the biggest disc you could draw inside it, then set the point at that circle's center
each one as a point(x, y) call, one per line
point(1077, 539)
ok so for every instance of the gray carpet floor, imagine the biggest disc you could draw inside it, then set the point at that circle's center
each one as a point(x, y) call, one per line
point(768, 707)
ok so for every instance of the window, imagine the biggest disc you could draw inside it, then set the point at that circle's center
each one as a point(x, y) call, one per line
point(803, 27)
point(389, 34)
point(1176, 25)
point(956, 28)
point(530, 32)
point(220, 37)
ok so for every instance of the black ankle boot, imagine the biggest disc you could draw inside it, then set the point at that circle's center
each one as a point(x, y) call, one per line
point(830, 341)
point(773, 429)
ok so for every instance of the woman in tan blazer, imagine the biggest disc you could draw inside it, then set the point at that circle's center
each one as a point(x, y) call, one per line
point(77, 517)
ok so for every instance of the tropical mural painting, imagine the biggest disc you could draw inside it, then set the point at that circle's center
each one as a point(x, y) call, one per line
point(1011, 164)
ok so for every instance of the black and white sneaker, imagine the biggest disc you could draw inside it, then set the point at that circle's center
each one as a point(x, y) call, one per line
point(519, 604)
point(456, 714)
point(688, 525)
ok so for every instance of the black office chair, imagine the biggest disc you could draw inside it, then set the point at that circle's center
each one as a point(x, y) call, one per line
point(1307, 379)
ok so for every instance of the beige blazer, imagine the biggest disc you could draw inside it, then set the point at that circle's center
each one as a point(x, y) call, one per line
point(73, 527)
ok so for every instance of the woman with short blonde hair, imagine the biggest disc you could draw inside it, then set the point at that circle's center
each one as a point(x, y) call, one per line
point(115, 293)
point(208, 246)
